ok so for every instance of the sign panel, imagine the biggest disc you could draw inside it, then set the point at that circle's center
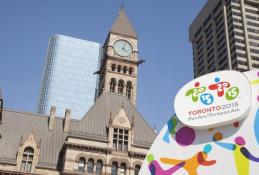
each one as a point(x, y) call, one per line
point(213, 100)
point(232, 149)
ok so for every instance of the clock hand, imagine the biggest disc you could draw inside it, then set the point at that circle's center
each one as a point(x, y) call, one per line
point(124, 49)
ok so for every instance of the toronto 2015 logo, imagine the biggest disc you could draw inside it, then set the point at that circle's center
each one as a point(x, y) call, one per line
point(221, 88)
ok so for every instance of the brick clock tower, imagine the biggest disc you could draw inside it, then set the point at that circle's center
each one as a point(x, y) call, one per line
point(118, 70)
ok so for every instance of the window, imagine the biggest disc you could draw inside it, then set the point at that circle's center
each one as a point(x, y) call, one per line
point(27, 159)
point(120, 139)
point(254, 51)
point(119, 68)
point(99, 167)
point(113, 67)
point(130, 70)
point(137, 169)
point(81, 165)
point(124, 69)
point(114, 168)
point(128, 89)
point(123, 169)
point(112, 85)
point(255, 65)
point(90, 165)
point(120, 87)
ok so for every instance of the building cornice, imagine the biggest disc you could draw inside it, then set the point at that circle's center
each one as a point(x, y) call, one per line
point(122, 60)
point(86, 147)
point(88, 137)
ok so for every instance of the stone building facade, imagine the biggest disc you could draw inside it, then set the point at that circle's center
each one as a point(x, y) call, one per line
point(112, 137)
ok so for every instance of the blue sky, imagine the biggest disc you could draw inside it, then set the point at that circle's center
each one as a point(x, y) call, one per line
point(162, 27)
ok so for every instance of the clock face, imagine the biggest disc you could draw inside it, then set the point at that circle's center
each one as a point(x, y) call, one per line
point(123, 48)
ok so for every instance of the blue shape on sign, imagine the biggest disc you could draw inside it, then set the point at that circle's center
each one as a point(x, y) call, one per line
point(207, 148)
point(217, 79)
point(256, 126)
point(207, 99)
point(166, 137)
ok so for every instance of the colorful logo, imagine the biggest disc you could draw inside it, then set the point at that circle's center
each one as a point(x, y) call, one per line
point(213, 100)
point(194, 92)
point(222, 88)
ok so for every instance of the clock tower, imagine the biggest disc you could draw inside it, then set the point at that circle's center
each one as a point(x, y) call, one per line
point(118, 70)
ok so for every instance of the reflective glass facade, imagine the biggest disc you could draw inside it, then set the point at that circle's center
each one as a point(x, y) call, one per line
point(69, 81)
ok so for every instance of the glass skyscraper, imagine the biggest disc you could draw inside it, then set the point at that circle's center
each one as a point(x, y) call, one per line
point(69, 81)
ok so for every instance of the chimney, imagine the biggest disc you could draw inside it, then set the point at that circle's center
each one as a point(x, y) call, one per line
point(67, 120)
point(52, 117)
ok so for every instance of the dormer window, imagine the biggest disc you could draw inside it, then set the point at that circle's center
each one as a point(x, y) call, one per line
point(27, 159)
point(120, 139)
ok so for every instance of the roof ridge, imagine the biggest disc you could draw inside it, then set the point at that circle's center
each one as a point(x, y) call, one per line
point(91, 108)
point(142, 118)
point(31, 114)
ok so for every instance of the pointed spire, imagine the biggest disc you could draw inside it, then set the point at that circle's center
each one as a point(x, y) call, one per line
point(122, 25)
point(122, 5)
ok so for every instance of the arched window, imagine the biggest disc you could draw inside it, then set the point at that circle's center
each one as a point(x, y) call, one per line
point(90, 165)
point(99, 167)
point(120, 87)
point(124, 69)
point(112, 85)
point(113, 67)
point(137, 169)
point(81, 165)
point(119, 68)
point(27, 159)
point(129, 89)
point(130, 70)
point(114, 168)
point(123, 169)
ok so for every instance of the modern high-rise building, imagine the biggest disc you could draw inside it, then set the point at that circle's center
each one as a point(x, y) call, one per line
point(69, 81)
point(225, 35)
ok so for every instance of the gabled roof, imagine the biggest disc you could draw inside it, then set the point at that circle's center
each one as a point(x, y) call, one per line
point(96, 120)
point(17, 125)
point(123, 26)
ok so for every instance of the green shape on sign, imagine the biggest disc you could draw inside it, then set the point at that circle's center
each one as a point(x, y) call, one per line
point(150, 158)
point(232, 93)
